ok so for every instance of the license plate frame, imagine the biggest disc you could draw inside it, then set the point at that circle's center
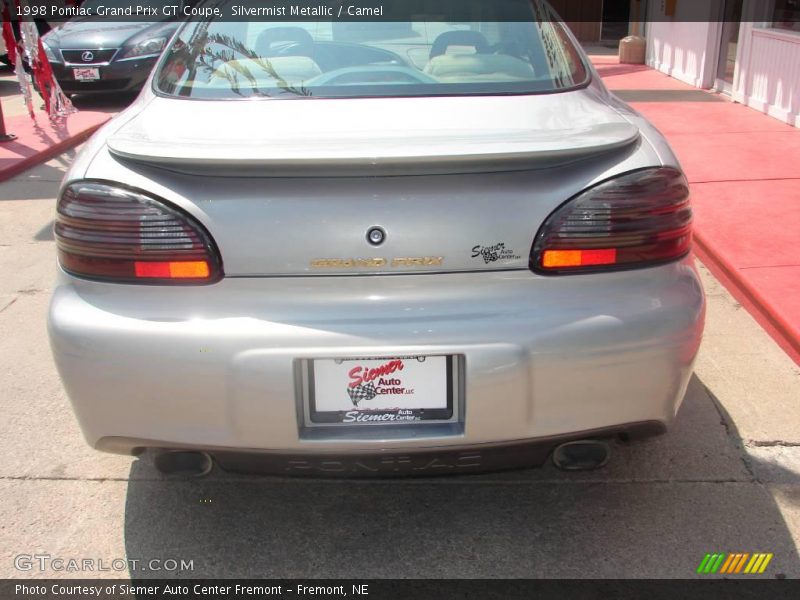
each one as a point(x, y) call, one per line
point(86, 74)
point(316, 409)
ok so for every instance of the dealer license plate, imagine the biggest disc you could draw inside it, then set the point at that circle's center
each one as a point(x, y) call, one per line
point(86, 74)
point(381, 391)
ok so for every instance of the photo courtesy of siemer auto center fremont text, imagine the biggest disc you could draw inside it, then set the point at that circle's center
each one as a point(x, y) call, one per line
point(398, 299)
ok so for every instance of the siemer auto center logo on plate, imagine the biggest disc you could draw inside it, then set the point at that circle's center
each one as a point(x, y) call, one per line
point(385, 390)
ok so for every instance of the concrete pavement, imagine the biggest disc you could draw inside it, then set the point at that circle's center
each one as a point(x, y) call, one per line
point(726, 478)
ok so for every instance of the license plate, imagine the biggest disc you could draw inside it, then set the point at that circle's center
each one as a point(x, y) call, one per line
point(381, 391)
point(86, 74)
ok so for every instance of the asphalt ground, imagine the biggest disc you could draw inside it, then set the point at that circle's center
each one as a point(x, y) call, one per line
point(725, 479)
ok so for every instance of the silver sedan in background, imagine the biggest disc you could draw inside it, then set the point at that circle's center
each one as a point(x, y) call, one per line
point(375, 248)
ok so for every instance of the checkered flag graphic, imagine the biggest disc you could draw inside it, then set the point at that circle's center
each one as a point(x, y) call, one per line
point(365, 391)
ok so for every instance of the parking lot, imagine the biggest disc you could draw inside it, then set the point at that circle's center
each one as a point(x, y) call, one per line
point(725, 479)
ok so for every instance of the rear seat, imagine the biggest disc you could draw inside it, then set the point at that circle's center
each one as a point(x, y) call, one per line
point(469, 68)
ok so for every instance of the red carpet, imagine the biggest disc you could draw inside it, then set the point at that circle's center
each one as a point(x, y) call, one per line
point(40, 141)
point(633, 77)
point(692, 118)
point(745, 175)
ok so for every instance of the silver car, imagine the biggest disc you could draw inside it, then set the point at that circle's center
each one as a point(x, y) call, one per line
point(375, 248)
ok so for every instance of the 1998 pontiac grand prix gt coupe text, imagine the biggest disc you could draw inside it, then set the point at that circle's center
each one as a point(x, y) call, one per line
point(375, 248)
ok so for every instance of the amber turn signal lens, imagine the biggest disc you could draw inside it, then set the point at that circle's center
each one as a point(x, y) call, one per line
point(554, 259)
point(173, 270)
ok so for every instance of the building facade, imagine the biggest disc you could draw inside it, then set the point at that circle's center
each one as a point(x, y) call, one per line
point(748, 49)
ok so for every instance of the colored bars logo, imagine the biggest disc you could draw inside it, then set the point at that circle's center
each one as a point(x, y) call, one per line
point(734, 563)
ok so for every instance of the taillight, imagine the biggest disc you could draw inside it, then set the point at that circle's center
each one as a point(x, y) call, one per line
point(639, 219)
point(109, 232)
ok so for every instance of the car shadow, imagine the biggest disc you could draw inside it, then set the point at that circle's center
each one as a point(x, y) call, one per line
point(654, 511)
point(108, 103)
point(45, 234)
point(8, 87)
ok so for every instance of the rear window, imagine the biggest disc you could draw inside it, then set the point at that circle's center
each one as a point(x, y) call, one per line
point(335, 59)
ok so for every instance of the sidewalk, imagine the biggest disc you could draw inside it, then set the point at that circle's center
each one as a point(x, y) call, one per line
point(40, 141)
point(744, 168)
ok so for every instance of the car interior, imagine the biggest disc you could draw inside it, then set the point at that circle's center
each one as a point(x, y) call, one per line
point(286, 56)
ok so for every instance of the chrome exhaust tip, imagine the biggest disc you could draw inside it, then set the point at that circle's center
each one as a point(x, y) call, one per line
point(582, 455)
point(183, 463)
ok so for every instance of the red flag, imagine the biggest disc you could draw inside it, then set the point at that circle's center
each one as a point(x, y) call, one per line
point(42, 74)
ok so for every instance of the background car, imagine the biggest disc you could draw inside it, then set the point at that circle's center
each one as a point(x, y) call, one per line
point(100, 55)
point(437, 248)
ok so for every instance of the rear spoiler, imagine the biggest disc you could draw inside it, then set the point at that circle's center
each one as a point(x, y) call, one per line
point(415, 153)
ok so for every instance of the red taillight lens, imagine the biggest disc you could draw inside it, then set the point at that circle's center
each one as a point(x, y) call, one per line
point(108, 232)
point(636, 220)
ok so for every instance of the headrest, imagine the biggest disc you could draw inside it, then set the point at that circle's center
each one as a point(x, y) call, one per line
point(460, 38)
point(270, 36)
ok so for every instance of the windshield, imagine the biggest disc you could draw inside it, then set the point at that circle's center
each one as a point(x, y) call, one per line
point(224, 60)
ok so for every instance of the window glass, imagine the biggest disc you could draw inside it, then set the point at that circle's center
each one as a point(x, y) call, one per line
point(786, 15)
point(228, 60)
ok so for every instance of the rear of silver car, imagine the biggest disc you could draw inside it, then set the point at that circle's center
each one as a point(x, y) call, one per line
point(373, 286)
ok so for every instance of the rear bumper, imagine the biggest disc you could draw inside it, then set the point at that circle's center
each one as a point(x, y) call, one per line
point(419, 461)
point(214, 367)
